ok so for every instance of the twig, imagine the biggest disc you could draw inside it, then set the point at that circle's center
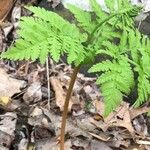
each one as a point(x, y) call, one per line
point(48, 82)
point(68, 96)
point(143, 142)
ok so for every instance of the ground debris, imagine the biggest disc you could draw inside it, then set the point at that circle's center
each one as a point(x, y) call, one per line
point(7, 129)
point(8, 85)
point(27, 123)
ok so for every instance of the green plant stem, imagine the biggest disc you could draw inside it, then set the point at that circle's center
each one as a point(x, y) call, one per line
point(89, 40)
point(65, 112)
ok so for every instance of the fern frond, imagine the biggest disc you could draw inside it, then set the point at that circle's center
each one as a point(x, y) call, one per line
point(109, 53)
point(97, 9)
point(143, 89)
point(123, 46)
point(41, 36)
point(112, 5)
point(112, 48)
point(83, 17)
point(112, 97)
point(117, 77)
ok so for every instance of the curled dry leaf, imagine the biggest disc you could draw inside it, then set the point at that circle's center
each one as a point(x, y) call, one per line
point(33, 94)
point(60, 93)
point(38, 118)
point(8, 85)
point(138, 111)
point(119, 138)
point(120, 118)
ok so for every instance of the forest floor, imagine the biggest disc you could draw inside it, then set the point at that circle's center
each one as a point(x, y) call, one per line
point(31, 114)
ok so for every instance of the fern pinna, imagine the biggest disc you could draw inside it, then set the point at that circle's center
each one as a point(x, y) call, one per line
point(95, 33)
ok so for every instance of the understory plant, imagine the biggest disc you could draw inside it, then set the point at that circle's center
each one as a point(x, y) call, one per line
point(105, 32)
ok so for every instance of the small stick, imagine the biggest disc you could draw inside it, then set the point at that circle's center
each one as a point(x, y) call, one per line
point(48, 81)
point(65, 112)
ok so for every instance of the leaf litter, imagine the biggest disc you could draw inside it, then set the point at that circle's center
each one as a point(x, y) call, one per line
point(27, 123)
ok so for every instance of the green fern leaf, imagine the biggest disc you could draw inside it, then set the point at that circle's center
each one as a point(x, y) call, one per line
point(143, 89)
point(112, 97)
point(112, 5)
point(41, 36)
point(83, 18)
point(114, 78)
point(97, 9)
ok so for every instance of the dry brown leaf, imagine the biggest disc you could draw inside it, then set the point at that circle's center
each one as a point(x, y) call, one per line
point(9, 86)
point(5, 7)
point(33, 93)
point(99, 105)
point(60, 94)
point(138, 111)
point(120, 118)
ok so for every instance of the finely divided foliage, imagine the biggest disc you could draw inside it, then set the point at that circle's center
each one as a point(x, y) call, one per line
point(46, 33)
point(95, 33)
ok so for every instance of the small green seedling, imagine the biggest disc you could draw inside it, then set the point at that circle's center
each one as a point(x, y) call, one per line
point(126, 66)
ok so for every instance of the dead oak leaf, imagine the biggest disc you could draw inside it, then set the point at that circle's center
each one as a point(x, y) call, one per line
point(60, 93)
point(134, 112)
point(119, 118)
point(8, 85)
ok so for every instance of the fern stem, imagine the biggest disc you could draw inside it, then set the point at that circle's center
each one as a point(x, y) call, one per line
point(89, 40)
point(132, 62)
point(64, 116)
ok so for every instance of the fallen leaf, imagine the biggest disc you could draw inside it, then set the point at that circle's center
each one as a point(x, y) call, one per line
point(5, 7)
point(134, 112)
point(33, 93)
point(7, 129)
point(99, 105)
point(118, 140)
point(8, 85)
point(119, 118)
point(8, 123)
point(60, 94)
point(4, 100)
point(140, 126)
